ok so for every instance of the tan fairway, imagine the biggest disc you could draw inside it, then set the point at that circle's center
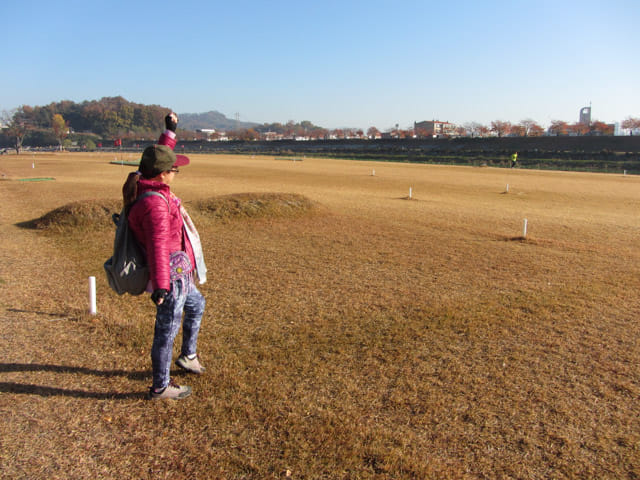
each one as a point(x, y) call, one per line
point(375, 337)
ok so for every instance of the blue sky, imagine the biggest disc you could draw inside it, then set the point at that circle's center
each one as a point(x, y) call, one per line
point(334, 63)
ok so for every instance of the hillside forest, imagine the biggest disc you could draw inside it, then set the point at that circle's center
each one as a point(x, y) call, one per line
point(115, 121)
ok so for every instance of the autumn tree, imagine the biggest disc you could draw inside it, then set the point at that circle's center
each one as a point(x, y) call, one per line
point(318, 133)
point(290, 129)
point(232, 134)
point(578, 128)
point(500, 128)
point(60, 128)
point(559, 127)
point(373, 132)
point(249, 135)
point(421, 132)
point(536, 130)
point(518, 130)
point(631, 124)
point(601, 128)
point(472, 129)
point(530, 126)
point(305, 127)
point(18, 125)
point(404, 133)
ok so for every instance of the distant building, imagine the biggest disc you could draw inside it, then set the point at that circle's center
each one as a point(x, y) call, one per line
point(585, 115)
point(209, 132)
point(271, 136)
point(434, 129)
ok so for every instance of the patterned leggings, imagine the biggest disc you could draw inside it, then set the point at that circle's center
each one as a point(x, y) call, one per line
point(184, 298)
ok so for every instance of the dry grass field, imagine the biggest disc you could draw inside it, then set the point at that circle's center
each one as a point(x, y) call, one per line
point(350, 332)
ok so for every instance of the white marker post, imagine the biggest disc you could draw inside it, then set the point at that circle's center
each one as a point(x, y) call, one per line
point(373, 174)
point(524, 228)
point(507, 188)
point(410, 193)
point(92, 295)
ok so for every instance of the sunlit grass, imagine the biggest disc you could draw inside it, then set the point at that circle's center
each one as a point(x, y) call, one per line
point(349, 333)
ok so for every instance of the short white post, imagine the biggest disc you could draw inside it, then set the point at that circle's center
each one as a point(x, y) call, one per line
point(625, 173)
point(92, 295)
point(524, 228)
point(507, 188)
point(410, 193)
point(33, 164)
point(373, 174)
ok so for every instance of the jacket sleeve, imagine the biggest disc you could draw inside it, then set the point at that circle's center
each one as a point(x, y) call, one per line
point(156, 224)
point(168, 138)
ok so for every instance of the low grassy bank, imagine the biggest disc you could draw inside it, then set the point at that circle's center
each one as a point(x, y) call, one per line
point(621, 165)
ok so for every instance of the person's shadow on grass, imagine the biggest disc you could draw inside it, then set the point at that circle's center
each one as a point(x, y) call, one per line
point(44, 391)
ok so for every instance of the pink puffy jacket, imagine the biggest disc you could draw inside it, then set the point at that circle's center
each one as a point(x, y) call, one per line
point(158, 228)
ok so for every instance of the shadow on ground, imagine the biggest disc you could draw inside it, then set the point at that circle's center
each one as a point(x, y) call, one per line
point(45, 391)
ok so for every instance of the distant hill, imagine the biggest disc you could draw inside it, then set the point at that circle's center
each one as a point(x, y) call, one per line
point(109, 117)
point(213, 119)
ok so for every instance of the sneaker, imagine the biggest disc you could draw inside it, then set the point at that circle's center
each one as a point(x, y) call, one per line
point(173, 391)
point(193, 366)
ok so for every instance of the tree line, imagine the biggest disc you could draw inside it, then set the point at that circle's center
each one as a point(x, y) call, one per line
point(88, 123)
point(498, 128)
point(115, 120)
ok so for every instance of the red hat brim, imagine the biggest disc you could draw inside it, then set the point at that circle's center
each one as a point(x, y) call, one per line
point(181, 161)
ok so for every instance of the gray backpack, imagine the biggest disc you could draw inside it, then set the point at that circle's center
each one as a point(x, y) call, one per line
point(127, 270)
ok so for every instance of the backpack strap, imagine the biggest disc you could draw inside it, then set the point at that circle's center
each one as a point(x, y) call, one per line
point(151, 192)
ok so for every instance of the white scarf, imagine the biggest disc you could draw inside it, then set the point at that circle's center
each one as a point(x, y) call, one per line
point(194, 239)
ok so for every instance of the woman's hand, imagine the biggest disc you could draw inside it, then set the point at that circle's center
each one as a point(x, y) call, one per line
point(171, 121)
point(158, 296)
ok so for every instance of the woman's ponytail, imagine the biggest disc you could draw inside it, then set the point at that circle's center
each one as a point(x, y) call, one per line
point(130, 189)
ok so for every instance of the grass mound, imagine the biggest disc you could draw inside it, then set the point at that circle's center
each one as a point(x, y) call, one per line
point(254, 205)
point(92, 214)
point(96, 214)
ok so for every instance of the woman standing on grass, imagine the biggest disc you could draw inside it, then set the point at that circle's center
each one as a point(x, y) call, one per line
point(172, 247)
